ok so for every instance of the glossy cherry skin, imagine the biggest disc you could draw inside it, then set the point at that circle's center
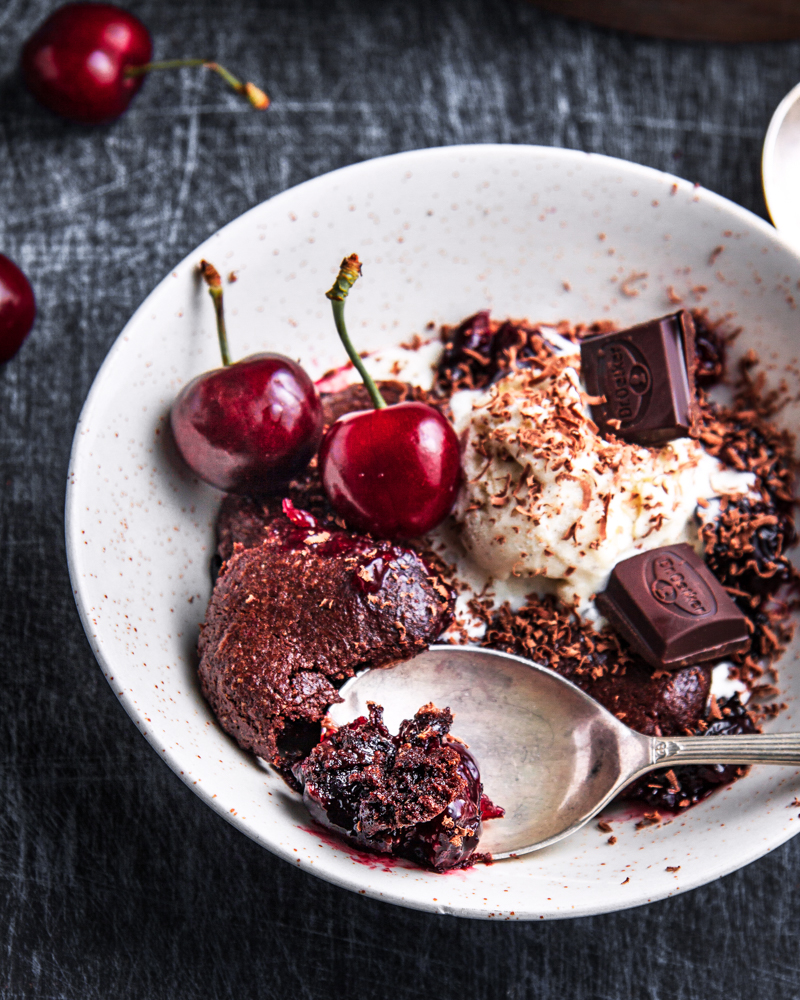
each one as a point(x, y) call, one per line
point(17, 308)
point(393, 472)
point(250, 427)
point(74, 64)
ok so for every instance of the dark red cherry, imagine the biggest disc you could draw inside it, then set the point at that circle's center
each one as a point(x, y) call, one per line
point(75, 63)
point(393, 472)
point(17, 308)
point(249, 427)
point(88, 60)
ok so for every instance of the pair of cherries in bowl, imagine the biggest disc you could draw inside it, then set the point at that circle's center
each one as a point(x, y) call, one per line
point(252, 426)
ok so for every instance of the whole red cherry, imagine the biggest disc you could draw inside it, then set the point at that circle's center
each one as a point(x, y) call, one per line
point(247, 427)
point(393, 471)
point(87, 61)
point(17, 308)
point(75, 63)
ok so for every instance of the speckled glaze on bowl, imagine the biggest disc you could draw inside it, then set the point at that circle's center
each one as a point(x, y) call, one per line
point(527, 231)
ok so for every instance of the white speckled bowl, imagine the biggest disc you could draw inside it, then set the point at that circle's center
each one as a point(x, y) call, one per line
point(543, 233)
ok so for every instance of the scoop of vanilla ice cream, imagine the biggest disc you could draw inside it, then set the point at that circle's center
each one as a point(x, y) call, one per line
point(546, 495)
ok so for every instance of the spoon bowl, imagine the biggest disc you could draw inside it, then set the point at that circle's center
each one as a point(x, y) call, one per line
point(549, 754)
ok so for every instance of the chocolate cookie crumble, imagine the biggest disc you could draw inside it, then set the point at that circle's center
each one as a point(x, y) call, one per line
point(481, 351)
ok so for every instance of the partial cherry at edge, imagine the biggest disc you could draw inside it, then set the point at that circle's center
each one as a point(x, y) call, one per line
point(17, 308)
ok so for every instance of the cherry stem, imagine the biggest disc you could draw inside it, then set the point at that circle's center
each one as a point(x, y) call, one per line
point(254, 94)
point(349, 272)
point(214, 282)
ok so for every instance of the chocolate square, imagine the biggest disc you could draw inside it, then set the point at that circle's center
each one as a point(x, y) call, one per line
point(646, 375)
point(672, 610)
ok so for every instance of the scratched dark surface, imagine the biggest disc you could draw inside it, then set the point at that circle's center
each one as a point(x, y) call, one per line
point(115, 881)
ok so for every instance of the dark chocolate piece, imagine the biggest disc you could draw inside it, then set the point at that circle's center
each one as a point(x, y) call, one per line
point(646, 376)
point(672, 610)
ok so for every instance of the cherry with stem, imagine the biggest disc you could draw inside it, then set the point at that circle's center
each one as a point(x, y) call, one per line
point(252, 425)
point(87, 61)
point(393, 471)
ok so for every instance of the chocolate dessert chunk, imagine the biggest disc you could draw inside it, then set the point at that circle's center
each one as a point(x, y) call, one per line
point(644, 376)
point(672, 610)
point(415, 795)
point(291, 618)
point(244, 520)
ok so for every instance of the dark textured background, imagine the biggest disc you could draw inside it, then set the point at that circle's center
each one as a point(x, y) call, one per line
point(115, 881)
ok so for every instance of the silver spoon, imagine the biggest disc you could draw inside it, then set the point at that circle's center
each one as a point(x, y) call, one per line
point(548, 753)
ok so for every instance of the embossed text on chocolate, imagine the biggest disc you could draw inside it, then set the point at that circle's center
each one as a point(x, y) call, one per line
point(679, 587)
point(627, 382)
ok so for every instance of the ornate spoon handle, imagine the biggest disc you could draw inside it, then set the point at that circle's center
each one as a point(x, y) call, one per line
point(759, 748)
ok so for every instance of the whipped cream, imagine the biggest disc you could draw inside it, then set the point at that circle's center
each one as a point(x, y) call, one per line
point(546, 496)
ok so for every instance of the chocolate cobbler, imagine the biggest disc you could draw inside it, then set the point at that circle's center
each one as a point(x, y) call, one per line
point(301, 603)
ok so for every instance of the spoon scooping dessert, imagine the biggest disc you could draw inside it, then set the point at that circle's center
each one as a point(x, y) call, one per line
point(548, 753)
